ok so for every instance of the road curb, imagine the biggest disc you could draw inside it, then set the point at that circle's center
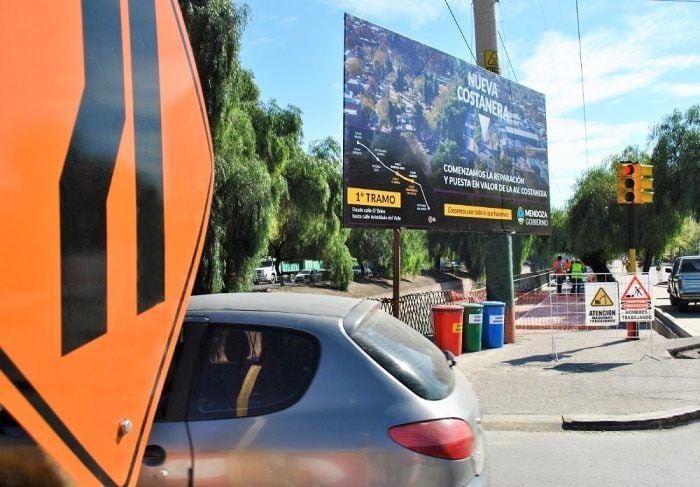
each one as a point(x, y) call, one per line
point(669, 323)
point(522, 422)
point(642, 421)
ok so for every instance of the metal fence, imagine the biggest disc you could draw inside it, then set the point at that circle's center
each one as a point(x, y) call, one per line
point(538, 308)
point(416, 308)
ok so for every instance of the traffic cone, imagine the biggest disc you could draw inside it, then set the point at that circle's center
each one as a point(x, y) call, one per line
point(632, 331)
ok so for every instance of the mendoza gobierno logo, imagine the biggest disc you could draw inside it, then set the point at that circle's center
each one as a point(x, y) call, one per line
point(521, 215)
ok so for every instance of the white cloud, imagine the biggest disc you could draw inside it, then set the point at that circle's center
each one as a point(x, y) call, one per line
point(615, 62)
point(680, 89)
point(567, 149)
point(418, 12)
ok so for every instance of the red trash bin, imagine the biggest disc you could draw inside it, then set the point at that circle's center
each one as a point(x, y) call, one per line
point(447, 323)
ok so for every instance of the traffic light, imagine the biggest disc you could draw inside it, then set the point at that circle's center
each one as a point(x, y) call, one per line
point(626, 183)
point(644, 188)
point(634, 183)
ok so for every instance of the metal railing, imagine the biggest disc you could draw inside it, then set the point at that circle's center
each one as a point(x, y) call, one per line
point(416, 308)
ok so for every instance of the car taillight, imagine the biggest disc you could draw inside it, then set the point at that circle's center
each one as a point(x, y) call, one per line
point(449, 438)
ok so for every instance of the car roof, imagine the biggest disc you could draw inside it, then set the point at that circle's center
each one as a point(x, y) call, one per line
point(296, 303)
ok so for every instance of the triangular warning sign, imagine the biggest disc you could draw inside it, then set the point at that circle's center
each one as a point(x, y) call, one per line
point(601, 298)
point(635, 291)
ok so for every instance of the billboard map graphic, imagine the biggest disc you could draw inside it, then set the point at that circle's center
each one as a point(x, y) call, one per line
point(432, 142)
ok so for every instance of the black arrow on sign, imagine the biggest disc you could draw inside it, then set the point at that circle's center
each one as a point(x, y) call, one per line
point(89, 166)
point(86, 177)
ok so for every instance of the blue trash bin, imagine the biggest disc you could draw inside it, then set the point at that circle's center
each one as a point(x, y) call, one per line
point(493, 324)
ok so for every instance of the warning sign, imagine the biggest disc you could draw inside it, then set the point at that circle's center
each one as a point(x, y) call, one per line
point(601, 303)
point(635, 301)
point(601, 298)
point(491, 61)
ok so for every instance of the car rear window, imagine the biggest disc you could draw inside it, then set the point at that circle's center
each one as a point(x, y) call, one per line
point(405, 354)
point(690, 265)
point(249, 371)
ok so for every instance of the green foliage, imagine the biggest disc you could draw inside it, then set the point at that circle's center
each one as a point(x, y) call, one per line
point(339, 261)
point(522, 246)
point(676, 160)
point(414, 252)
point(595, 222)
point(687, 240)
point(252, 143)
point(370, 245)
point(307, 223)
point(472, 253)
point(546, 247)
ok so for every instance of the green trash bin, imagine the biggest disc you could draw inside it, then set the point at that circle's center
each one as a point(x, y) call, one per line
point(471, 332)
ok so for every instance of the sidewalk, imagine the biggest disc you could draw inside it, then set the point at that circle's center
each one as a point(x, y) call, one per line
point(598, 383)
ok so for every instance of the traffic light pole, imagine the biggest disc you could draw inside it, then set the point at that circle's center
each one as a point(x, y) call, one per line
point(632, 326)
point(632, 253)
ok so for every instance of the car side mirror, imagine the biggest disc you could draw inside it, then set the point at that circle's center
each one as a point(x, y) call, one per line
point(449, 356)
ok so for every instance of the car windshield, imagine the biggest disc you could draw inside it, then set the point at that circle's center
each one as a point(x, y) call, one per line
point(690, 265)
point(405, 354)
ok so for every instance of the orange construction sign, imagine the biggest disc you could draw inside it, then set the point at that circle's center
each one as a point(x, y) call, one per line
point(106, 173)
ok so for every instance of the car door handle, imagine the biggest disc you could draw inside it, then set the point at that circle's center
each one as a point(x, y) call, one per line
point(153, 456)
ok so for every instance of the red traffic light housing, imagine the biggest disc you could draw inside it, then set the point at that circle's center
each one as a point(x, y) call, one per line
point(626, 183)
point(634, 183)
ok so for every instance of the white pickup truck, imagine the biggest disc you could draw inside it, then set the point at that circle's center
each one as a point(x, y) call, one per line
point(684, 281)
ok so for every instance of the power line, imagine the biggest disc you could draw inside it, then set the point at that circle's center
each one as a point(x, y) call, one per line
point(460, 31)
point(503, 43)
point(553, 179)
point(507, 57)
point(583, 92)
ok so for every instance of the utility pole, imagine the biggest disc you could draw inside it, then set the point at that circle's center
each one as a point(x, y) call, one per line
point(499, 246)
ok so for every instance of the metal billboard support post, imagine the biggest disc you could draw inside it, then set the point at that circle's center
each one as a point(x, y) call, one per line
point(396, 258)
point(499, 269)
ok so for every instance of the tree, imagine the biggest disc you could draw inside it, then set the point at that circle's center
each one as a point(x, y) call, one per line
point(371, 245)
point(596, 223)
point(545, 247)
point(310, 209)
point(676, 160)
point(252, 143)
point(472, 253)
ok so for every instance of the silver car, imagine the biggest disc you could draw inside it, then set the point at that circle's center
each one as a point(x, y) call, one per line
point(300, 389)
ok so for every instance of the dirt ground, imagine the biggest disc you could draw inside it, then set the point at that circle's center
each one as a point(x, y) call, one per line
point(376, 287)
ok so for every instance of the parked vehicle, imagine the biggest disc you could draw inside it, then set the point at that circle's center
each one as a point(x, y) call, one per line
point(357, 271)
point(268, 389)
point(265, 272)
point(268, 272)
point(684, 281)
point(307, 276)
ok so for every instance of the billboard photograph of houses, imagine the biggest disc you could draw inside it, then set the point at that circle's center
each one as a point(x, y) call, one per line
point(433, 142)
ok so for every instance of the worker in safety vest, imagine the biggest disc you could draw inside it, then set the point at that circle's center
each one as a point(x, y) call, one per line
point(576, 277)
point(558, 270)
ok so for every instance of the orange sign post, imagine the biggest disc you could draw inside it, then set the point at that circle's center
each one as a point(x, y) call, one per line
point(106, 173)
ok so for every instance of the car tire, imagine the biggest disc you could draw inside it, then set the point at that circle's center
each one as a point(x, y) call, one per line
point(674, 300)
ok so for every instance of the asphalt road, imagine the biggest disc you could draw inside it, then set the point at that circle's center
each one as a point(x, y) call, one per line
point(574, 459)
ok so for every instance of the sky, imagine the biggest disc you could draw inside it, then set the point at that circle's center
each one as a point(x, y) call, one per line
point(639, 61)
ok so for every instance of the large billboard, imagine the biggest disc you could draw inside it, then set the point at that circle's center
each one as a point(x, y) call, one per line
point(433, 142)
